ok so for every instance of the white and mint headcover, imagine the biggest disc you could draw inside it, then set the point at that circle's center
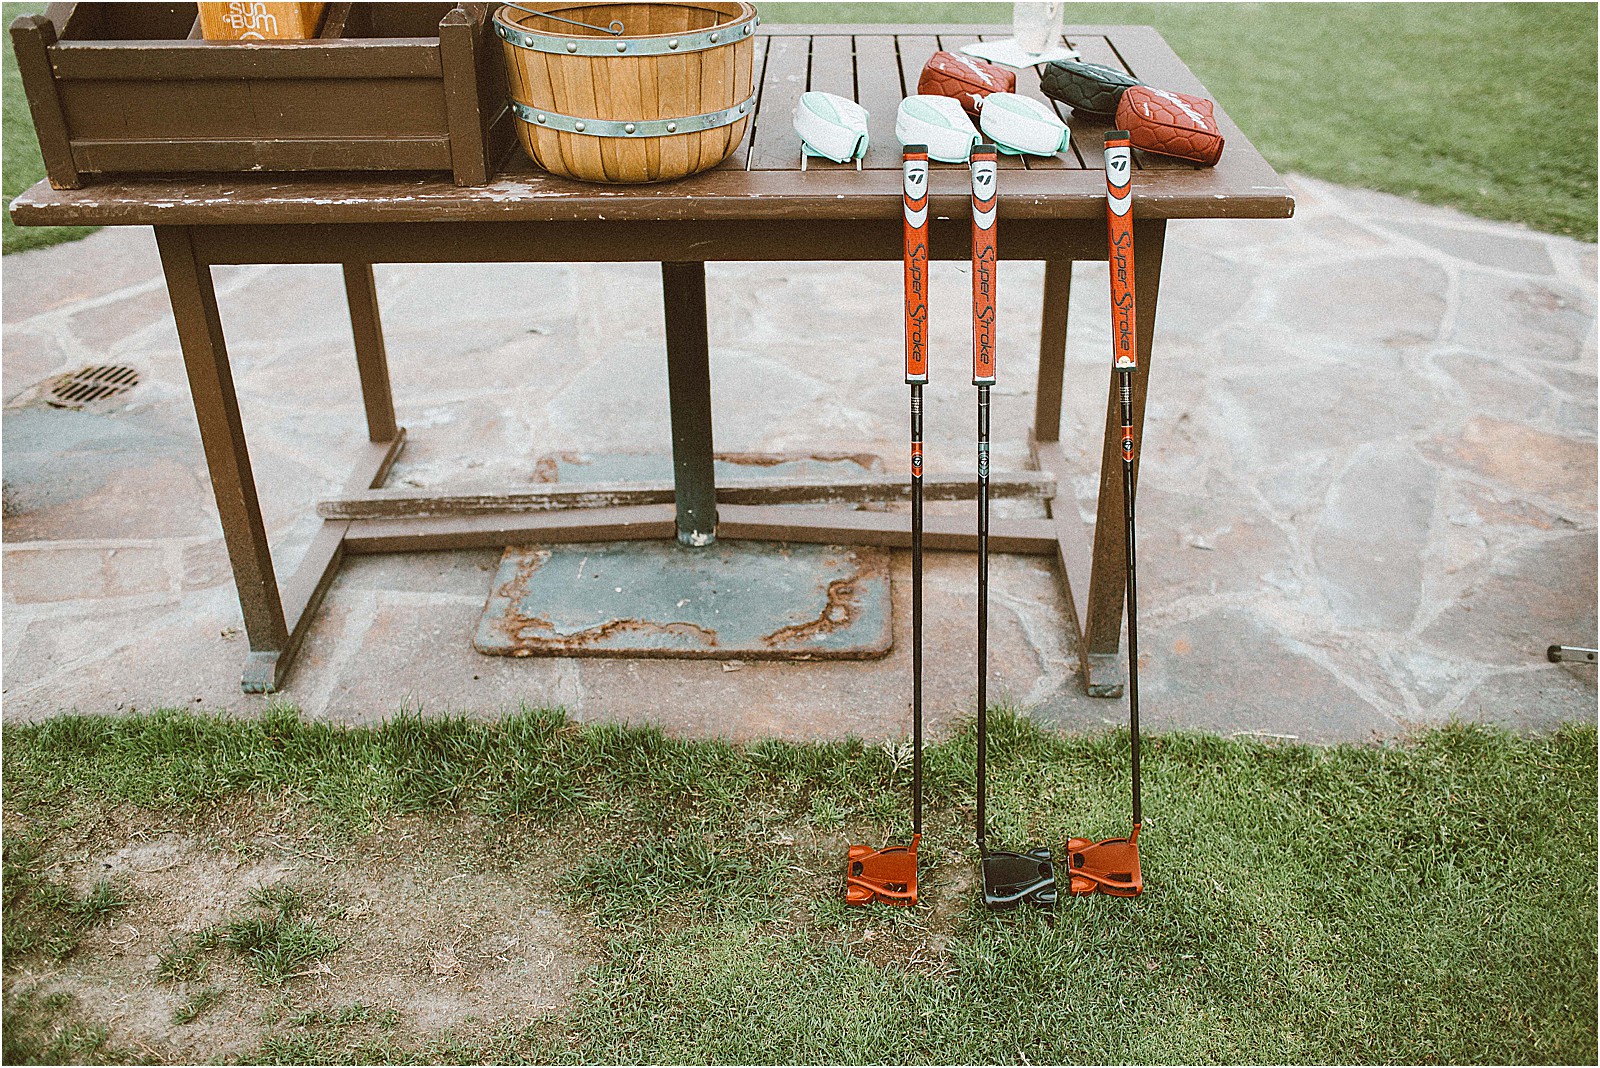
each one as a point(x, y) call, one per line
point(938, 122)
point(1020, 125)
point(831, 126)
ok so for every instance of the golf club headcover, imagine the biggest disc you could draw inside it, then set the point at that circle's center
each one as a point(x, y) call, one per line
point(939, 123)
point(964, 79)
point(1171, 124)
point(888, 874)
point(1020, 125)
point(1091, 88)
point(831, 126)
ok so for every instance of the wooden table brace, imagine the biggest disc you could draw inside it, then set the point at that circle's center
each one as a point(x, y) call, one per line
point(276, 622)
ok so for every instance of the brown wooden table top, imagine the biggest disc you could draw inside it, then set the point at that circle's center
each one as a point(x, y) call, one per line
point(875, 65)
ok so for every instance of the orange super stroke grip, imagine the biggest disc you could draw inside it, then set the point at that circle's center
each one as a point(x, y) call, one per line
point(916, 214)
point(985, 265)
point(1119, 232)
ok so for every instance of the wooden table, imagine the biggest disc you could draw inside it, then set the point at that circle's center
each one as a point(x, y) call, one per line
point(756, 206)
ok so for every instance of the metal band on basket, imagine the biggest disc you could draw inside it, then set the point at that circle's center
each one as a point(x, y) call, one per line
point(659, 45)
point(711, 120)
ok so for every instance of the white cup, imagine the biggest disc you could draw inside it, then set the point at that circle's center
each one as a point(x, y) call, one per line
point(1037, 27)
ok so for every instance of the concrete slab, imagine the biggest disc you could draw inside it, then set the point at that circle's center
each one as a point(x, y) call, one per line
point(730, 601)
point(1368, 493)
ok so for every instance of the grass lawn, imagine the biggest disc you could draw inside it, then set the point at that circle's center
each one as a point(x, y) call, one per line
point(1486, 107)
point(21, 165)
point(1431, 900)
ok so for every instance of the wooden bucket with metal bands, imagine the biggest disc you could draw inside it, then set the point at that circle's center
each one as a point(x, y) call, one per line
point(629, 93)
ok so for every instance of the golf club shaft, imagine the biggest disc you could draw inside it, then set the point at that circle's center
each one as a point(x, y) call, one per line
point(1125, 353)
point(1128, 445)
point(916, 609)
point(915, 174)
point(985, 276)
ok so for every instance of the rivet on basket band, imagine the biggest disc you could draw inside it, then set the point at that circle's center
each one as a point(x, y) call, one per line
point(520, 37)
point(622, 46)
point(592, 127)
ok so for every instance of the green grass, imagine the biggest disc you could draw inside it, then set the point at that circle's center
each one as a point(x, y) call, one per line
point(276, 943)
point(43, 915)
point(1431, 900)
point(1484, 107)
point(185, 960)
point(21, 165)
point(277, 946)
point(196, 1004)
point(40, 1030)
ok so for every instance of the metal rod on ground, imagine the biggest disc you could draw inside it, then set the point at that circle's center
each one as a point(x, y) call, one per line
point(916, 290)
point(889, 875)
point(1133, 584)
point(1124, 342)
point(1008, 878)
point(985, 219)
point(1112, 866)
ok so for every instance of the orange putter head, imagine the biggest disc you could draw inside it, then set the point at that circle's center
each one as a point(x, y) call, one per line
point(888, 874)
point(1108, 867)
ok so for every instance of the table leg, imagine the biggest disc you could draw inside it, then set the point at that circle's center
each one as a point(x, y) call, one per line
point(216, 407)
point(372, 359)
point(689, 388)
point(1103, 671)
point(1071, 541)
point(1052, 349)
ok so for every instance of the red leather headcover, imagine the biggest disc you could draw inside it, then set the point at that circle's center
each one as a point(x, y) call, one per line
point(1171, 124)
point(964, 79)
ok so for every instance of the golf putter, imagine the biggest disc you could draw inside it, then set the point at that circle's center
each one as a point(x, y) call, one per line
point(890, 874)
point(1008, 878)
point(1112, 866)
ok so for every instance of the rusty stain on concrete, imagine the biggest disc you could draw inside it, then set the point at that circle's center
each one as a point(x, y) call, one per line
point(738, 600)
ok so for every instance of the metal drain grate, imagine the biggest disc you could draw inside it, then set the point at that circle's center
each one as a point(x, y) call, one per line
point(91, 384)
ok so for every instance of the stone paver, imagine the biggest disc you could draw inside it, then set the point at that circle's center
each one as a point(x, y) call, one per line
point(1368, 499)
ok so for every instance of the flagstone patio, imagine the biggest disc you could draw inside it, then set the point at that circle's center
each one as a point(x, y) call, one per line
point(1368, 497)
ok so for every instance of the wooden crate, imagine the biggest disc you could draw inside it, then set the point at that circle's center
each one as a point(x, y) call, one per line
point(121, 88)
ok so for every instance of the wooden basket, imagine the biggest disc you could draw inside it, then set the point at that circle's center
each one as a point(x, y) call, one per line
point(669, 96)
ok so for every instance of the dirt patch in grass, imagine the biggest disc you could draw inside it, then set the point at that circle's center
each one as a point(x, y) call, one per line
point(437, 928)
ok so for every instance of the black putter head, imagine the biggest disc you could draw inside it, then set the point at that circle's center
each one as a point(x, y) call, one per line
point(1012, 878)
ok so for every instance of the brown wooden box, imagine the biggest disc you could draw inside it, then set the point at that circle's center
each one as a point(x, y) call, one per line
point(125, 88)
